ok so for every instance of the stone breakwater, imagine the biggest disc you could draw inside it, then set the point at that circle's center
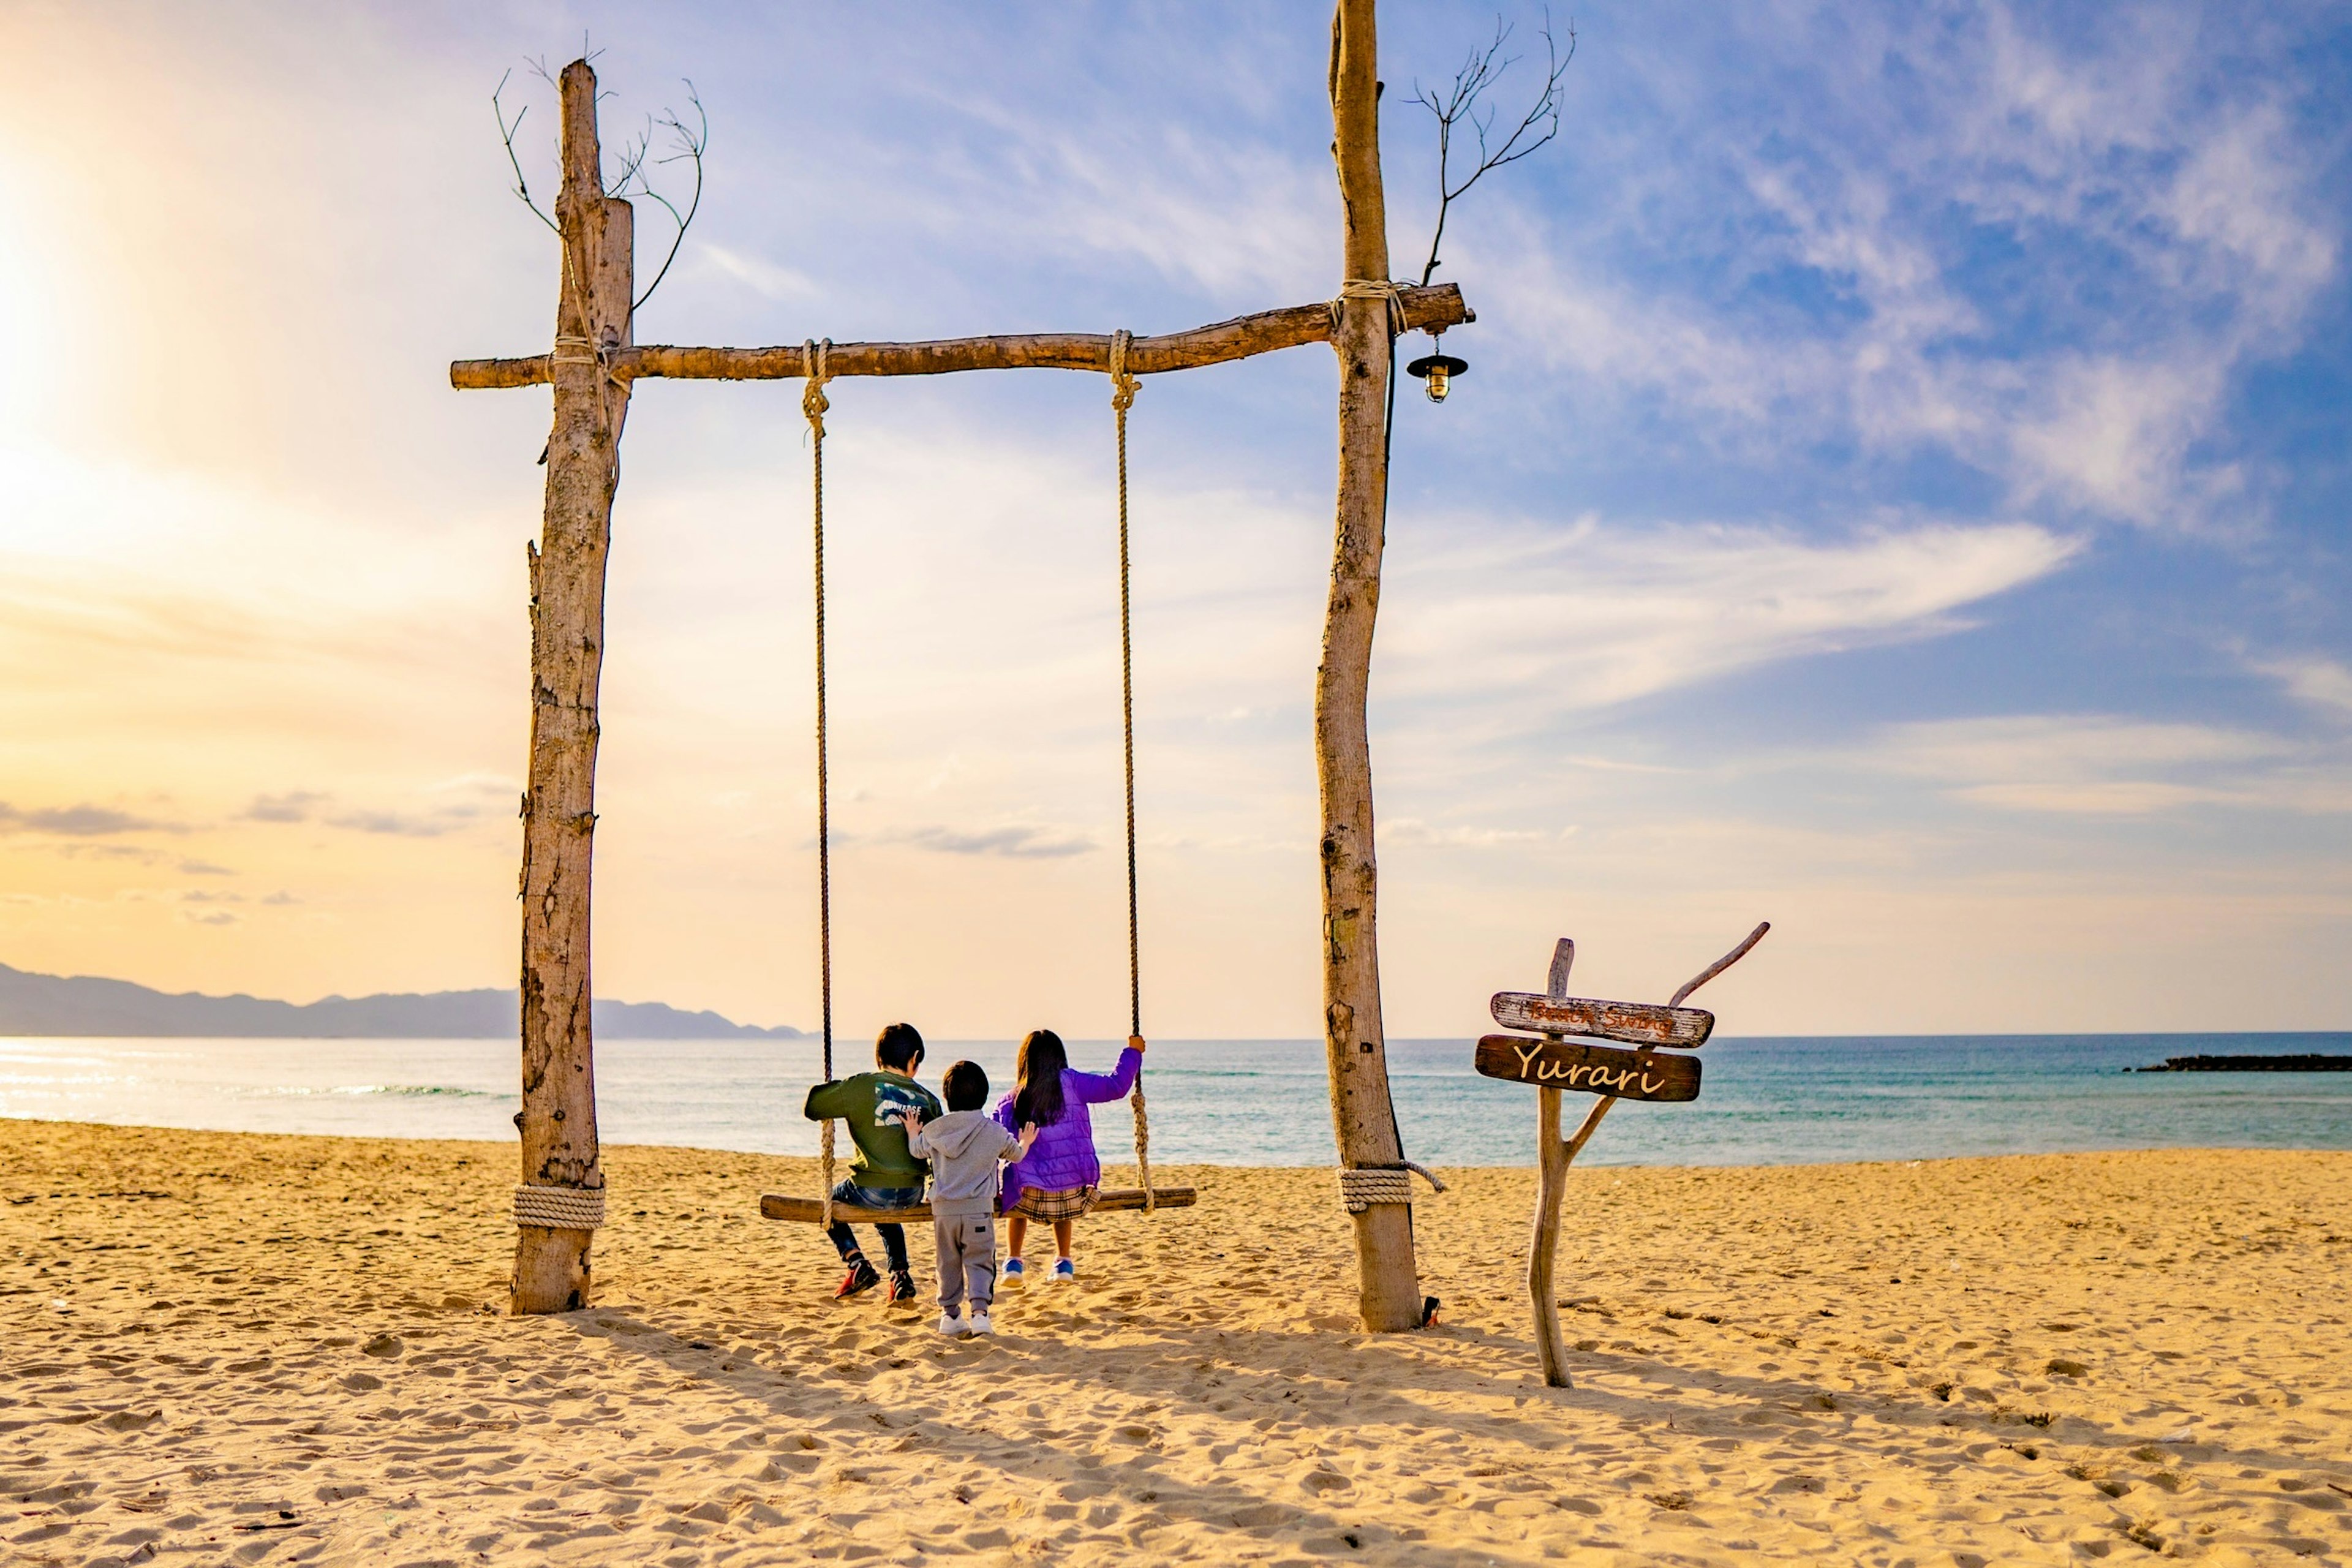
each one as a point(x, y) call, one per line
point(2305, 1063)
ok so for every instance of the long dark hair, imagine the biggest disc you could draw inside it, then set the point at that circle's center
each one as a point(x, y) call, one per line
point(1037, 1072)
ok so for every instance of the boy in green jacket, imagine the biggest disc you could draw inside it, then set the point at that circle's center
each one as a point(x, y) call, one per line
point(885, 1174)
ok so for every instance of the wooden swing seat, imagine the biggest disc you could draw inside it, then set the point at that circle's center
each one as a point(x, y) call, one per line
point(809, 1211)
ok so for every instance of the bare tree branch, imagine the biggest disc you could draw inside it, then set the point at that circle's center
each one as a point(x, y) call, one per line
point(507, 136)
point(687, 142)
point(633, 160)
point(690, 142)
point(1461, 106)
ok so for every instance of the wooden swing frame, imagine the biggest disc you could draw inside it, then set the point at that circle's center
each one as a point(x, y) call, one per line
point(593, 367)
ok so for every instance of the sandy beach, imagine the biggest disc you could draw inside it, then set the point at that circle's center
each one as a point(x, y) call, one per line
point(233, 1348)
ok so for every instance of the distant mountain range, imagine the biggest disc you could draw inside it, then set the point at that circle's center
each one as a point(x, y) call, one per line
point(81, 1004)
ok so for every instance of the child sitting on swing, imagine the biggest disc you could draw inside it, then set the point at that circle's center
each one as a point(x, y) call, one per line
point(1056, 1180)
point(886, 1173)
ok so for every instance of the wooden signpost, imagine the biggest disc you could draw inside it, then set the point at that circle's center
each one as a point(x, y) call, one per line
point(1551, 1063)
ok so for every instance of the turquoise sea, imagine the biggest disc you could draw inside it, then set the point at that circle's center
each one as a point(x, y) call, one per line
point(1257, 1102)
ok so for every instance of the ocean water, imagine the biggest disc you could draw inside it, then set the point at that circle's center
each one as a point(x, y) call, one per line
point(1257, 1102)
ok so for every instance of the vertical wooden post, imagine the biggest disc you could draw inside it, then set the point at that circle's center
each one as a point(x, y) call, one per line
point(1388, 1286)
point(567, 644)
point(1551, 1185)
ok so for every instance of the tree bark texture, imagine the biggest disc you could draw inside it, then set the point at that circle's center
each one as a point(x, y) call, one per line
point(558, 1120)
point(1439, 305)
point(1388, 1287)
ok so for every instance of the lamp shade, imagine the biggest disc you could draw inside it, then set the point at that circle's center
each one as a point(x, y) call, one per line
point(1437, 371)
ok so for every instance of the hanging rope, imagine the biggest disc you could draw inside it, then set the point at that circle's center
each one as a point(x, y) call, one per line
point(1123, 388)
point(814, 371)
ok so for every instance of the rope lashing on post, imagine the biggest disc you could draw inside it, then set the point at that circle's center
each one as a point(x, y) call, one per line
point(1370, 289)
point(1123, 388)
point(560, 1208)
point(815, 370)
point(572, 349)
point(1359, 1189)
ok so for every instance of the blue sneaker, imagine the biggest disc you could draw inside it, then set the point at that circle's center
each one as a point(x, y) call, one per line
point(1065, 1272)
point(1013, 1271)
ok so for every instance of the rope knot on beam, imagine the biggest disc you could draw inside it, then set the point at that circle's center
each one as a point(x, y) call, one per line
point(815, 371)
point(1123, 386)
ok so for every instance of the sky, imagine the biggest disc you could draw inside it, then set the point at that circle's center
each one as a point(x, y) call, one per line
point(1900, 492)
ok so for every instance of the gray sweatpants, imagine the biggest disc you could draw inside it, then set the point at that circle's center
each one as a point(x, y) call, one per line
point(966, 1244)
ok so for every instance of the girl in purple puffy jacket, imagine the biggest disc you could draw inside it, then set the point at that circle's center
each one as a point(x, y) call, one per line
point(1056, 1182)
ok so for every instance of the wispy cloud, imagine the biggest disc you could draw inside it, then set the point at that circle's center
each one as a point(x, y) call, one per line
point(1535, 625)
point(2099, 765)
point(2323, 682)
point(403, 825)
point(1014, 843)
point(1855, 276)
point(479, 784)
point(304, 805)
point(79, 821)
point(1466, 836)
point(294, 805)
point(764, 277)
point(1217, 212)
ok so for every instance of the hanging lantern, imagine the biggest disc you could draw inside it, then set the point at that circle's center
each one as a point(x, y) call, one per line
point(1437, 371)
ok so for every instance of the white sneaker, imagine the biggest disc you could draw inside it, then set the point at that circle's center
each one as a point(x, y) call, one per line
point(980, 1325)
point(951, 1325)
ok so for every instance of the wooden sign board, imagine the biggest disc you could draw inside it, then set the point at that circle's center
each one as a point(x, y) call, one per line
point(1634, 1023)
point(1594, 1070)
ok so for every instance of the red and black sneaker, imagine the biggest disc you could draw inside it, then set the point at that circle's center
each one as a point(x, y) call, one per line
point(860, 1278)
point(902, 1286)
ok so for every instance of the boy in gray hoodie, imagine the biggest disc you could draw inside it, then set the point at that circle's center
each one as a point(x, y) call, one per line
point(965, 1146)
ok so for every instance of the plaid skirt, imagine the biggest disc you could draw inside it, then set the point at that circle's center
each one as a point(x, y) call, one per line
point(1070, 1202)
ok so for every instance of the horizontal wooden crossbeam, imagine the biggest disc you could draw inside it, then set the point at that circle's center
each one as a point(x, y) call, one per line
point(1435, 307)
point(808, 1211)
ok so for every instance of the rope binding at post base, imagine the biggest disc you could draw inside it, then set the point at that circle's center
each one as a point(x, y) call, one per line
point(560, 1208)
point(1361, 1187)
